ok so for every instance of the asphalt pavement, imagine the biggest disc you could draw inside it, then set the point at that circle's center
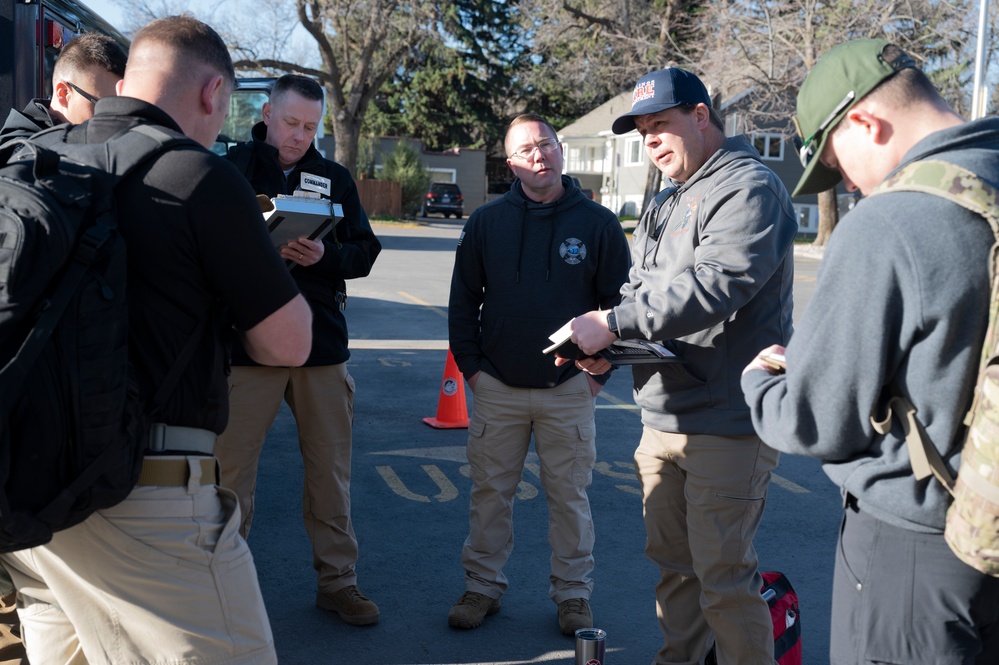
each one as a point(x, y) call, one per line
point(410, 492)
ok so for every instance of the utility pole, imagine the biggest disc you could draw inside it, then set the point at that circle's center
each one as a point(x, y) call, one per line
point(979, 98)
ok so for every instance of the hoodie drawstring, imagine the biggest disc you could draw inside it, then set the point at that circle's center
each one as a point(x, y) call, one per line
point(520, 241)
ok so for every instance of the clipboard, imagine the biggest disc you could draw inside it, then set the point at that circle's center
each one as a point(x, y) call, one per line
point(638, 352)
point(293, 217)
point(621, 352)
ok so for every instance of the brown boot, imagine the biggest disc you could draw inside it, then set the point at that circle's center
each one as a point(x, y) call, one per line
point(471, 610)
point(350, 604)
point(574, 614)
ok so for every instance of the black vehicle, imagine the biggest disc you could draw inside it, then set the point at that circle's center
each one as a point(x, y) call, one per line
point(445, 198)
point(245, 110)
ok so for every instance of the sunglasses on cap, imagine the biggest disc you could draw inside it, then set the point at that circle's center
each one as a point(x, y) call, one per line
point(806, 148)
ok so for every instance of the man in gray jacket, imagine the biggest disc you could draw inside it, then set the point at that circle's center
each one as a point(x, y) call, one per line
point(711, 276)
point(901, 306)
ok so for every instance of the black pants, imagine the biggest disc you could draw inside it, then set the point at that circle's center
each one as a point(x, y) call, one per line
point(902, 597)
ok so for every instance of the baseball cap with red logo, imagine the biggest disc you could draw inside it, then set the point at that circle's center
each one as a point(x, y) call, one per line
point(661, 90)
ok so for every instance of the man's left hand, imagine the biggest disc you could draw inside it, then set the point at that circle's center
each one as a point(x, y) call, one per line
point(594, 366)
point(303, 251)
point(761, 362)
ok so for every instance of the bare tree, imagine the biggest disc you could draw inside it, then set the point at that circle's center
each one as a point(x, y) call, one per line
point(137, 13)
point(361, 44)
point(604, 46)
point(770, 46)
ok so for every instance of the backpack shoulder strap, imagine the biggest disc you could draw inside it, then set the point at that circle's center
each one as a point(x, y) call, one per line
point(923, 456)
point(120, 154)
point(949, 181)
point(964, 188)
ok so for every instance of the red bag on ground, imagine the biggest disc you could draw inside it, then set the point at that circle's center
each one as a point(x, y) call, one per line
point(783, 602)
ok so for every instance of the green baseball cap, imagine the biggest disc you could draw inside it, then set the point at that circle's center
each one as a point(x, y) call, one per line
point(840, 79)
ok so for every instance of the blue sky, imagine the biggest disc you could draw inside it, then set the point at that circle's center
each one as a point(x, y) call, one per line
point(108, 10)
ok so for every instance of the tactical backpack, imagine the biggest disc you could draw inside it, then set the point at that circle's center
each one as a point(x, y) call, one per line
point(972, 527)
point(72, 425)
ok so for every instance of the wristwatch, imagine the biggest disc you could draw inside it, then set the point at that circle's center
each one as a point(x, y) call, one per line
point(612, 323)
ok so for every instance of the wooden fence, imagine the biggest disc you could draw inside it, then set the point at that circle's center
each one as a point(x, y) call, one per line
point(380, 198)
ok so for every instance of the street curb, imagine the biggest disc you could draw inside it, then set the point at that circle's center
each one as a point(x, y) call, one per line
point(809, 250)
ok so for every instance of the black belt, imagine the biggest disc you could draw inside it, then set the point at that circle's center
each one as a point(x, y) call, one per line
point(163, 438)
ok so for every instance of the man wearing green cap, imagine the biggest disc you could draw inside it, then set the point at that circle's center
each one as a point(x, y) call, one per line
point(901, 306)
point(711, 276)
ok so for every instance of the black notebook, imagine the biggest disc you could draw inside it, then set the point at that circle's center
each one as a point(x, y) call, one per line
point(621, 352)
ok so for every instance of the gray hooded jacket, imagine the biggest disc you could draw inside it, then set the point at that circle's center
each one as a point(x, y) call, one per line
point(712, 273)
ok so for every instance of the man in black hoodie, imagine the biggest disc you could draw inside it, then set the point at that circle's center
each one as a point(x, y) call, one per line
point(321, 393)
point(525, 265)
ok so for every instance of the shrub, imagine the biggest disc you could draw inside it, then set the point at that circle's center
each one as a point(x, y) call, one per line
point(404, 167)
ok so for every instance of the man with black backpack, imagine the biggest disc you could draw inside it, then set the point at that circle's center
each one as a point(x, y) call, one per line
point(89, 67)
point(900, 308)
point(163, 575)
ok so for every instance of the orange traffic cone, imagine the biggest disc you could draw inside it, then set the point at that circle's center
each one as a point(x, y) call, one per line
point(451, 410)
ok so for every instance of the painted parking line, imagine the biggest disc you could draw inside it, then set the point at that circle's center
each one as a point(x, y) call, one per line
point(615, 402)
point(448, 491)
point(440, 311)
point(783, 482)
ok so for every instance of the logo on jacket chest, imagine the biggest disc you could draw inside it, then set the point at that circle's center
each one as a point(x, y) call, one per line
point(688, 215)
point(572, 251)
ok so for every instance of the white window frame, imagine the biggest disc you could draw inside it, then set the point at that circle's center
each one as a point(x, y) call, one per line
point(633, 145)
point(769, 140)
point(573, 159)
point(808, 217)
point(449, 175)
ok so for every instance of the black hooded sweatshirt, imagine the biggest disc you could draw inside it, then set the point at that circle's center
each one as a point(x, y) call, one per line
point(350, 248)
point(522, 269)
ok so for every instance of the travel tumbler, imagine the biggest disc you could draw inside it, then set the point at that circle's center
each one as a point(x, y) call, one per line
point(590, 646)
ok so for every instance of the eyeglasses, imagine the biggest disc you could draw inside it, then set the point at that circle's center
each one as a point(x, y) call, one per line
point(86, 95)
point(546, 146)
point(806, 149)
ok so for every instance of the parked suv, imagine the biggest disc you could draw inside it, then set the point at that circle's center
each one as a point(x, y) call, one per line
point(445, 198)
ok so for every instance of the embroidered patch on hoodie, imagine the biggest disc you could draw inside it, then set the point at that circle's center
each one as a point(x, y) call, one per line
point(572, 251)
point(688, 214)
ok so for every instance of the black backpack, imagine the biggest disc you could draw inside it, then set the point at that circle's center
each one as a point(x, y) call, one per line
point(72, 425)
